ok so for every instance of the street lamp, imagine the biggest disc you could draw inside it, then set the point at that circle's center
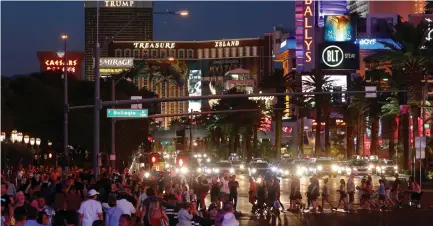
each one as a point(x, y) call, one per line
point(32, 141)
point(26, 139)
point(3, 136)
point(20, 137)
point(38, 141)
point(65, 101)
point(183, 13)
point(13, 136)
point(49, 143)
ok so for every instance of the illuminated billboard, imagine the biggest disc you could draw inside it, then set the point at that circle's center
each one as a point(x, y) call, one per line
point(194, 89)
point(337, 83)
point(339, 28)
point(339, 55)
point(55, 61)
point(305, 35)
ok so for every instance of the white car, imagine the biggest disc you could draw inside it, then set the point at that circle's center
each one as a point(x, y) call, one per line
point(360, 167)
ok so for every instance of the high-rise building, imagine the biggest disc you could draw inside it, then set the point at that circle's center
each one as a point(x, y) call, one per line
point(402, 8)
point(122, 20)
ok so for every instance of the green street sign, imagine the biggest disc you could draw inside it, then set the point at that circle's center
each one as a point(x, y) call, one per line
point(127, 113)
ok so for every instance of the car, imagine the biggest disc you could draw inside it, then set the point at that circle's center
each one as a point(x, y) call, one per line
point(343, 168)
point(360, 167)
point(259, 167)
point(373, 163)
point(284, 169)
point(301, 167)
point(386, 167)
point(326, 166)
point(224, 167)
point(239, 166)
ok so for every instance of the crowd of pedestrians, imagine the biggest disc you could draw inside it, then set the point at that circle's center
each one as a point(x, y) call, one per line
point(35, 196)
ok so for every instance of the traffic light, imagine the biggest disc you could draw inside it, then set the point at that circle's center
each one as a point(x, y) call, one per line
point(153, 159)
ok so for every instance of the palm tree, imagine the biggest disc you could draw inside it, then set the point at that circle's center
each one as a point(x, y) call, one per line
point(389, 111)
point(278, 82)
point(317, 81)
point(412, 56)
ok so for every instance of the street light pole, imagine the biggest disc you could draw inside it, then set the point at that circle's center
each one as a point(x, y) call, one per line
point(113, 127)
point(97, 104)
point(65, 102)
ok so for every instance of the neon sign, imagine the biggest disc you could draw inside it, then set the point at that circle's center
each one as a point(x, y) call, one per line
point(219, 44)
point(55, 65)
point(308, 26)
point(154, 45)
point(119, 3)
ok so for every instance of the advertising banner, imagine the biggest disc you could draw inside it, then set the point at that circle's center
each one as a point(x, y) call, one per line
point(339, 28)
point(194, 89)
point(339, 55)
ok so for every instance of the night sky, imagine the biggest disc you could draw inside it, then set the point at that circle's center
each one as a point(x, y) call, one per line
point(28, 27)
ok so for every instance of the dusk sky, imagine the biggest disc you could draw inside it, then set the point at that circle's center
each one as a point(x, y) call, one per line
point(28, 27)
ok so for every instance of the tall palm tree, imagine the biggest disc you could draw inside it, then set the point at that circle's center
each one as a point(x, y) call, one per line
point(390, 110)
point(410, 54)
point(317, 81)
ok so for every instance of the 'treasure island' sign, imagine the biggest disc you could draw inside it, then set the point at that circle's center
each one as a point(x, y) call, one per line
point(154, 45)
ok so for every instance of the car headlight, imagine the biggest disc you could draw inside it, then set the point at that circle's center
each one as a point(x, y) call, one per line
point(167, 165)
point(334, 167)
point(320, 168)
point(241, 166)
point(382, 167)
point(354, 168)
point(259, 180)
point(199, 155)
point(286, 172)
point(184, 170)
point(177, 170)
point(304, 168)
point(208, 160)
point(199, 170)
point(208, 171)
point(281, 170)
point(371, 166)
point(396, 167)
point(232, 170)
point(146, 175)
point(299, 172)
point(274, 169)
point(253, 170)
point(204, 155)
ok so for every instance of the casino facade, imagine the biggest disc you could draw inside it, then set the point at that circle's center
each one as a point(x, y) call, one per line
point(191, 68)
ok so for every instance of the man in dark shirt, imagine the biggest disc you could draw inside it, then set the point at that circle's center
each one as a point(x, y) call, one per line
point(171, 209)
point(6, 199)
point(396, 188)
point(168, 195)
point(234, 185)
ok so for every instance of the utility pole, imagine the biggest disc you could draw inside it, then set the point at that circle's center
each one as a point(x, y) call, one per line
point(97, 103)
point(190, 131)
point(65, 102)
point(113, 127)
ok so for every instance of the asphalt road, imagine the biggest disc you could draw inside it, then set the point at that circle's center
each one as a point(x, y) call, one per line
point(404, 216)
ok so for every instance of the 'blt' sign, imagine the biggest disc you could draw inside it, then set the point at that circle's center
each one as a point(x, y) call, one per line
point(339, 56)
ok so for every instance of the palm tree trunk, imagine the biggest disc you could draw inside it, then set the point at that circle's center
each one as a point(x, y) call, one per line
point(327, 135)
point(349, 139)
point(278, 130)
point(406, 137)
point(255, 141)
point(248, 146)
point(301, 138)
point(374, 136)
point(318, 145)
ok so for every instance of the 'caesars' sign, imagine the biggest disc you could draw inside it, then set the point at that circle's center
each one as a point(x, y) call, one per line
point(154, 45)
point(308, 26)
point(119, 3)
